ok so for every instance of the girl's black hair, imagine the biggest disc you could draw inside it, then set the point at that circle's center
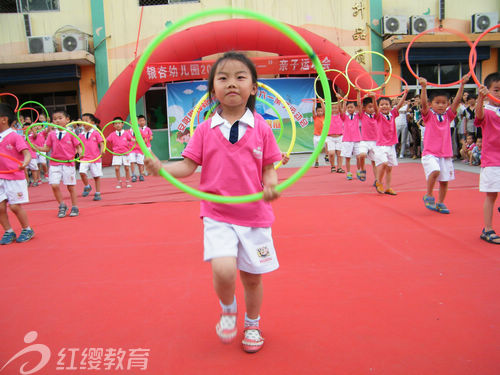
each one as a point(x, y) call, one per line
point(233, 55)
point(7, 111)
point(92, 118)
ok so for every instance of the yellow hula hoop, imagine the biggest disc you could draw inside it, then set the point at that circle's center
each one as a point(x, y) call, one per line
point(362, 53)
point(348, 86)
point(100, 133)
point(272, 91)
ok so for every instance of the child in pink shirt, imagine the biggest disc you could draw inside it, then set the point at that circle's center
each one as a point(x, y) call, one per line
point(120, 142)
point(351, 137)
point(437, 157)
point(236, 149)
point(91, 162)
point(387, 139)
point(488, 118)
point(33, 165)
point(13, 187)
point(334, 139)
point(368, 134)
point(39, 140)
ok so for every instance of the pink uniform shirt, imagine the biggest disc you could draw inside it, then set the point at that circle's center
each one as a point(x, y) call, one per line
point(120, 144)
point(387, 135)
point(336, 125)
point(146, 135)
point(39, 140)
point(32, 150)
point(351, 128)
point(437, 136)
point(12, 144)
point(490, 125)
point(368, 127)
point(62, 149)
point(91, 143)
point(234, 169)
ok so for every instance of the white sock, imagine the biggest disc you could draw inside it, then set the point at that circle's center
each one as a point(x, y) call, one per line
point(232, 308)
point(9, 230)
point(251, 322)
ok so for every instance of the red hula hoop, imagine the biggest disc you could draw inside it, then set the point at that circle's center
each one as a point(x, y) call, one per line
point(17, 100)
point(385, 74)
point(33, 109)
point(11, 158)
point(473, 60)
point(452, 31)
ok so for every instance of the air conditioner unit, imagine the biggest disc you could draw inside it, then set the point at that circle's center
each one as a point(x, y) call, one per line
point(483, 21)
point(392, 25)
point(420, 24)
point(41, 44)
point(74, 42)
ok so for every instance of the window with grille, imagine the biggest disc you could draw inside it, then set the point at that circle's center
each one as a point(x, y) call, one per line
point(25, 6)
point(143, 3)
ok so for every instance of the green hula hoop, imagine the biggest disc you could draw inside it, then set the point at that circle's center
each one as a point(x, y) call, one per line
point(277, 95)
point(284, 29)
point(115, 153)
point(26, 133)
point(348, 86)
point(99, 131)
point(38, 104)
point(362, 53)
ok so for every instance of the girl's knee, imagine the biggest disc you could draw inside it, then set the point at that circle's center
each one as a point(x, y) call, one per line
point(250, 280)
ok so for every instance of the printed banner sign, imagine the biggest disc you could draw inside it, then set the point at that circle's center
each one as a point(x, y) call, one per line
point(183, 96)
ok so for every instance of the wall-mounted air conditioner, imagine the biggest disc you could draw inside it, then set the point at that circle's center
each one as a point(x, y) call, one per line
point(483, 21)
point(41, 44)
point(422, 23)
point(74, 42)
point(392, 25)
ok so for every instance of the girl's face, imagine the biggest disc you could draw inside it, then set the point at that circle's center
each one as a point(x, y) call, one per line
point(385, 106)
point(87, 119)
point(60, 119)
point(233, 84)
point(335, 109)
point(469, 140)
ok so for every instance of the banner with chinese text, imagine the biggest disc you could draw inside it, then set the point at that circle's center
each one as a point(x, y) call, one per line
point(183, 96)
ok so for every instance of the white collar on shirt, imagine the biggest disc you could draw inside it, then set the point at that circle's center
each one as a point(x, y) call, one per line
point(487, 106)
point(247, 118)
point(120, 131)
point(5, 133)
point(437, 114)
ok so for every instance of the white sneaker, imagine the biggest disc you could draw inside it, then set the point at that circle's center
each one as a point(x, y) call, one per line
point(253, 340)
point(226, 327)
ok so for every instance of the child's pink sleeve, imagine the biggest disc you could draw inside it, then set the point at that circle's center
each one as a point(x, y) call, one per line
point(194, 149)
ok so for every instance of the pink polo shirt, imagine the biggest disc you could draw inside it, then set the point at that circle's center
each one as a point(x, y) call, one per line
point(351, 128)
point(234, 169)
point(120, 144)
point(490, 125)
point(387, 135)
point(437, 136)
point(336, 125)
point(91, 143)
point(62, 149)
point(368, 127)
point(147, 134)
point(12, 144)
point(32, 150)
point(39, 138)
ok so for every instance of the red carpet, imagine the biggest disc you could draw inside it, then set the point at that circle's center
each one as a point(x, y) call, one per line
point(368, 284)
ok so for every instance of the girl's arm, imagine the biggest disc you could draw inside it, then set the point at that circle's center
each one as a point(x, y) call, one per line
point(483, 91)
point(456, 101)
point(27, 159)
point(358, 99)
point(342, 104)
point(375, 104)
point(43, 148)
point(314, 108)
point(183, 168)
point(270, 180)
point(402, 101)
point(424, 103)
point(101, 147)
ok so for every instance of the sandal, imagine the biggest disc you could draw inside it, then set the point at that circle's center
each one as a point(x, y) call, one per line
point(379, 187)
point(226, 327)
point(430, 202)
point(333, 170)
point(340, 170)
point(390, 192)
point(363, 176)
point(442, 209)
point(490, 236)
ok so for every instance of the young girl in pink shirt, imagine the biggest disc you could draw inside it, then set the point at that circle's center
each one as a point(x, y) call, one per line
point(236, 149)
point(437, 157)
point(368, 134)
point(91, 163)
point(488, 118)
point(351, 137)
point(13, 187)
point(63, 146)
point(334, 140)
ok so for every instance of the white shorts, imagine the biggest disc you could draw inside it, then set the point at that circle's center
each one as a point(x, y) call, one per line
point(33, 165)
point(334, 143)
point(316, 140)
point(41, 158)
point(135, 157)
point(253, 248)
point(368, 148)
point(120, 160)
point(349, 149)
point(386, 154)
point(489, 180)
point(14, 191)
point(66, 173)
point(95, 169)
point(432, 163)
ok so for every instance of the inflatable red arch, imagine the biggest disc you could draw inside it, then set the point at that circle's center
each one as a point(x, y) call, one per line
point(220, 36)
